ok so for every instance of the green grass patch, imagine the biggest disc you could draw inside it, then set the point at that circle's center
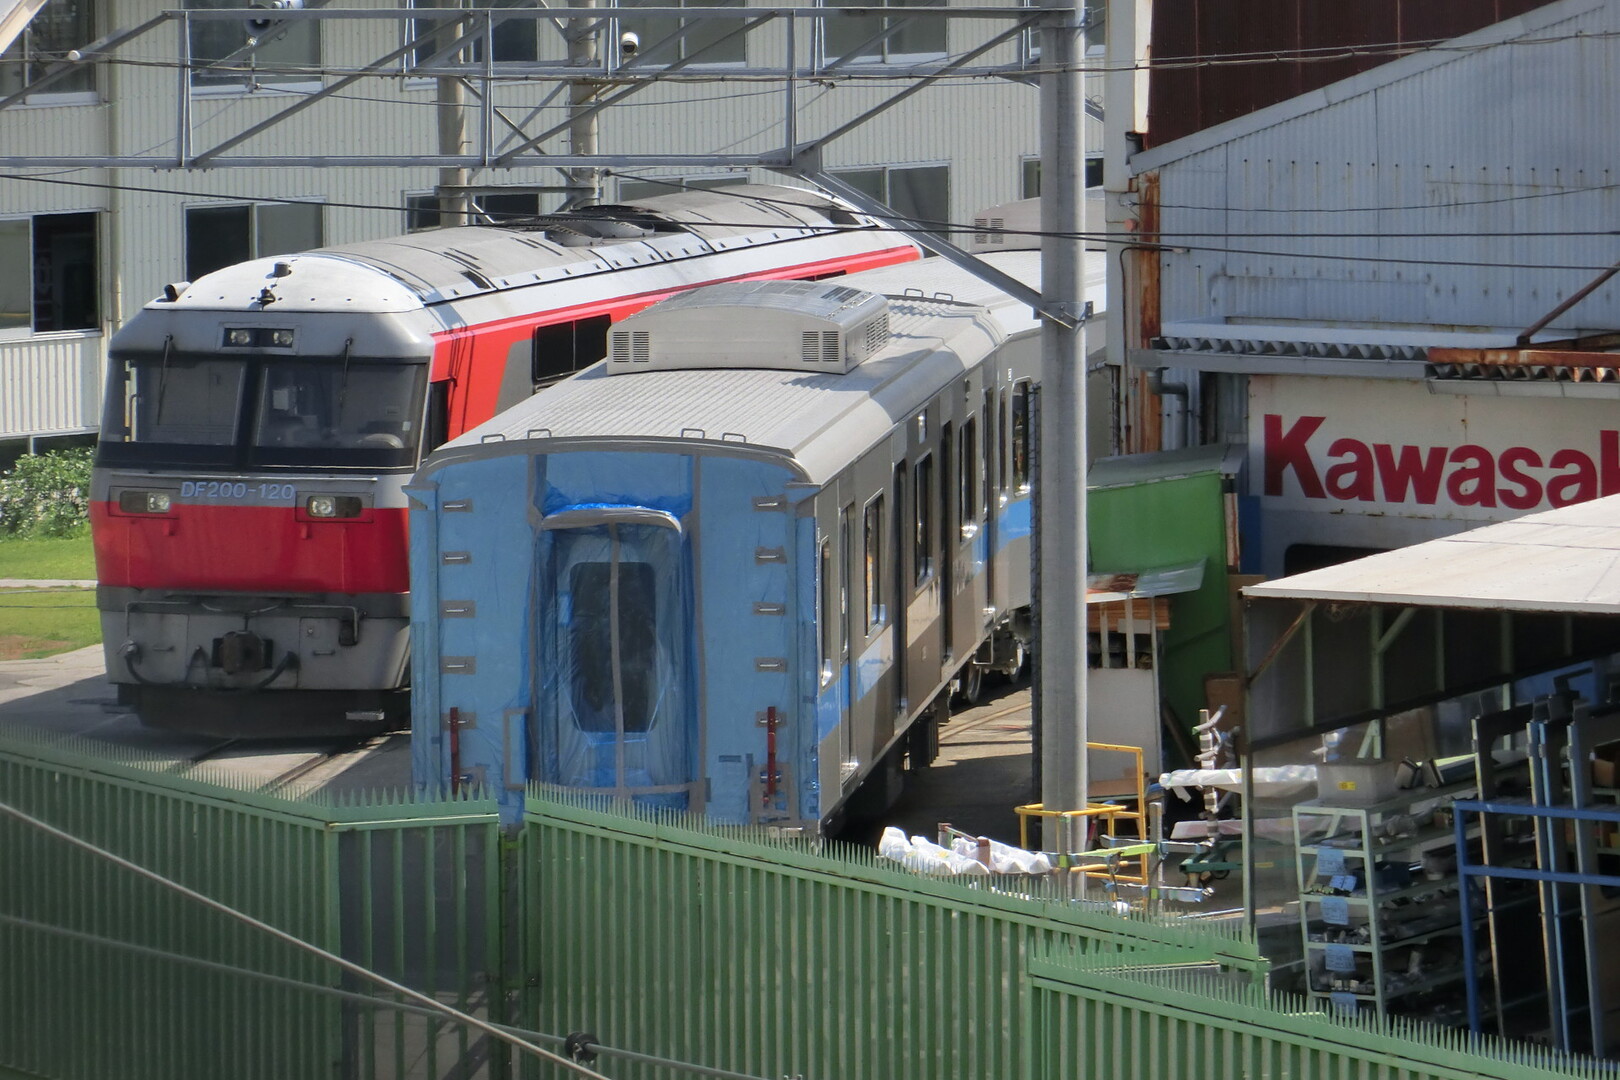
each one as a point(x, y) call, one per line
point(44, 622)
point(70, 559)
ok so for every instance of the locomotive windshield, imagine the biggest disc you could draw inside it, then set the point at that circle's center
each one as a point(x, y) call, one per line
point(248, 412)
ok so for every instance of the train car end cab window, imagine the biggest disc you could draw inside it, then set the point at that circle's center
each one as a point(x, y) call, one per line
point(872, 537)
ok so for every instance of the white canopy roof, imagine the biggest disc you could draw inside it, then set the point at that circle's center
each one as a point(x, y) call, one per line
point(1565, 560)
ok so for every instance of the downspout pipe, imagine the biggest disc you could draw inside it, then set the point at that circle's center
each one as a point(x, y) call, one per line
point(1163, 388)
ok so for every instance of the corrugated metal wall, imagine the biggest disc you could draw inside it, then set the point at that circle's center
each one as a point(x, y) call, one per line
point(705, 946)
point(1453, 192)
point(50, 383)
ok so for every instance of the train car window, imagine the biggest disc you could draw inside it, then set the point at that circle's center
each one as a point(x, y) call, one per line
point(1001, 441)
point(438, 415)
point(1020, 435)
point(565, 348)
point(591, 625)
point(967, 501)
point(872, 538)
point(922, 546)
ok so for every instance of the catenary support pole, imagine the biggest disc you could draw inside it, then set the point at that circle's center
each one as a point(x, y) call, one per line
point(1062, 491)
point(584, 184)
point(455, 203)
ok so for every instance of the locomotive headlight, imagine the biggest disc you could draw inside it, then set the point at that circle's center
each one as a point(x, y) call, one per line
point(333, 506)
point(283, 338)
point(239, 336)
point(144, 502)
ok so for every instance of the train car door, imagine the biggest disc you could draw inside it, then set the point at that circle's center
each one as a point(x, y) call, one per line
point(614, 656)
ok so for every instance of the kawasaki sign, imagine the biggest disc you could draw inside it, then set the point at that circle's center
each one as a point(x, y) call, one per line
point(1389, 447)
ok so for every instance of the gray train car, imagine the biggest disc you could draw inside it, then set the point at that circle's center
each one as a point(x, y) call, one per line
point(739, 566)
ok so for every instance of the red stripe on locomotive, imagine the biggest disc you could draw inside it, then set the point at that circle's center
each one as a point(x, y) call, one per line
point(269, 549)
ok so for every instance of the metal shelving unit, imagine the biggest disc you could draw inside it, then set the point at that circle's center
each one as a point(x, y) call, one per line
point(1375, 931)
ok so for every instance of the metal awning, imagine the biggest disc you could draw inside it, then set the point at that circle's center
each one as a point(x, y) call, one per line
point(1565, 560)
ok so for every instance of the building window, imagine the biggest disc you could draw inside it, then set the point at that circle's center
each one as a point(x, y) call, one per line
point(851, 36)
point(423, 212)
point(514, 40)
point(919, 192)
point(58, 27)
point(700, 34)
point(1029, 181)
point(220, 236)
point(635, 190)
point(48, 274)
point(287, 53)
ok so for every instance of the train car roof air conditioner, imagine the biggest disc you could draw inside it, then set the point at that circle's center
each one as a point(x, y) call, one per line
point(815, 326)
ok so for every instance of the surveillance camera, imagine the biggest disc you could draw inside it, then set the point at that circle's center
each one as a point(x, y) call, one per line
point(629, 42)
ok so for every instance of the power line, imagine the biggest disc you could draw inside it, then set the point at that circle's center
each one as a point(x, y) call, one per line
point(947, 228)
point(1324, 54)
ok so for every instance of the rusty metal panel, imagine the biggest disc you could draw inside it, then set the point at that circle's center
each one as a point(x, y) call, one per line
point(1218, 54)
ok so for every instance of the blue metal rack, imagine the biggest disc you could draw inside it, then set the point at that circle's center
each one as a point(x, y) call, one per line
point(1470, 876)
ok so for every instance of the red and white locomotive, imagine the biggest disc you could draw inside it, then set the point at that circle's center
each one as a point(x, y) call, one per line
point(261, 423)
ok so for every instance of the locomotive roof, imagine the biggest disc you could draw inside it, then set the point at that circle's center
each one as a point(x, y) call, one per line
point(821, 421)
point(403, 273)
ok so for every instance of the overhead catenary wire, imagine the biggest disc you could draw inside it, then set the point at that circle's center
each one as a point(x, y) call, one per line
point(1177, 244)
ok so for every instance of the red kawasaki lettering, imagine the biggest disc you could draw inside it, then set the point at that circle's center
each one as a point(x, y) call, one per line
point(1352, 479)
point(1287, 450)
point(1415, 469)
point(1609, 461)
point(1577, 485)
point(1475, 483)
point(1528, 494)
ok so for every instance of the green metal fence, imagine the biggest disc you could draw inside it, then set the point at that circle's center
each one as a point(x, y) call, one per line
point(693, 945)
point(1164, 1017)
point(106, 974)
point(718, 946)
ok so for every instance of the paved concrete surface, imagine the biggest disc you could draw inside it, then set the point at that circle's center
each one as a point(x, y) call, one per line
point(45, 583)
point(982, 772)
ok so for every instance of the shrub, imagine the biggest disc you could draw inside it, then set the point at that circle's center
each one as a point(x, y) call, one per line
point(46, 494)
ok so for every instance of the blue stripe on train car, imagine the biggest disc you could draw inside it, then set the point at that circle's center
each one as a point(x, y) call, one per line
point(1013, 522)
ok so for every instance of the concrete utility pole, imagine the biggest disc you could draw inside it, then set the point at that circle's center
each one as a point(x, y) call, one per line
point(455, 204)
point(584, 184)
point(1062, 488)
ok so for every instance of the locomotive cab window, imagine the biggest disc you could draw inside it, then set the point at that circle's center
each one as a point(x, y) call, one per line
point(183, 408)
point(329, 410)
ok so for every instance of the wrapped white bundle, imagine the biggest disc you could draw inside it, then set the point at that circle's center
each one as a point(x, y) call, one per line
point(1004, 858)
point(925, 856)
